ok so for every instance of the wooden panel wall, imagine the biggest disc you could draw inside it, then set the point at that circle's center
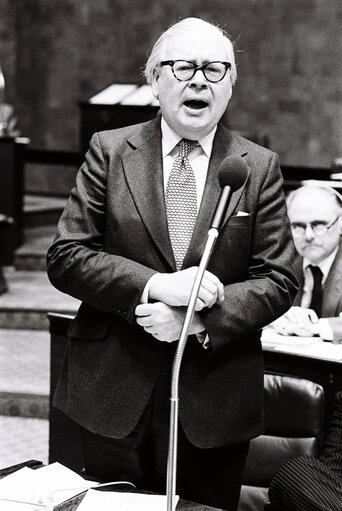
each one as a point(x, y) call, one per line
point(56, 53)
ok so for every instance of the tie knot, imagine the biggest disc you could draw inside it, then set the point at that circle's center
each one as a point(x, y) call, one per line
point(186, 146)
point(316, 272)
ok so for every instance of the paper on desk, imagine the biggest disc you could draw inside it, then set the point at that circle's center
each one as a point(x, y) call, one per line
point(269, 337)
point(35, 485)
point(19, 485)
point(108, 501)
point(61, 482)
point(320, 349)
point(307, 346)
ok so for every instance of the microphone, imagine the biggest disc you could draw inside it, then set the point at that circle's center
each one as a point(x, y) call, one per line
point(231, 175)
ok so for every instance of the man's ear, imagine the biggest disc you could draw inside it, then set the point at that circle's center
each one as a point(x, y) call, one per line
point(230, 91)
point(155, 83)
point(340, 224)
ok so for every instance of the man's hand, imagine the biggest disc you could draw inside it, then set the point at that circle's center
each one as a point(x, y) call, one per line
point(297, 321)
point(175, 288)
point(165, 322)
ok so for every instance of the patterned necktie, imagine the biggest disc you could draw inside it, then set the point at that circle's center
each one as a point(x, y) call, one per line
point(181, 202)
point(317, 291)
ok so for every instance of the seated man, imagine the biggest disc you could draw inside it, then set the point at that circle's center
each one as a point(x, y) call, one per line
point(316, 222)
point(310, 484)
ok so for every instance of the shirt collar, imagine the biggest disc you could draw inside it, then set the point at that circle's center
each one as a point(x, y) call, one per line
point(324, 265)
point(170, 139)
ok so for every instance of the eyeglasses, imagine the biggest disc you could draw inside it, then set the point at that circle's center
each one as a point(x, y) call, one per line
point(184, 70)
point(318, 228)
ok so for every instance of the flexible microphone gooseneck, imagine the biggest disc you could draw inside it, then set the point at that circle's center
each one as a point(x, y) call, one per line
point(231, 175)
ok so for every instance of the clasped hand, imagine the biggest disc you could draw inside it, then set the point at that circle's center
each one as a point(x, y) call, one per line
point(175, 288)
point(171, 293)
point(297, 321)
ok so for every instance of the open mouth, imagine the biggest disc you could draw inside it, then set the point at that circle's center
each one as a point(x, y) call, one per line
point(196, 104)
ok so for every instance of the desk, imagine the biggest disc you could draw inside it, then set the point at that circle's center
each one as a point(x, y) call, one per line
point(114, 107)
point(302, 363)
point(72, 504)
point(182, 505)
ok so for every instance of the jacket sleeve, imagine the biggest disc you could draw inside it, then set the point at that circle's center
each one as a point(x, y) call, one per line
point(77, 263)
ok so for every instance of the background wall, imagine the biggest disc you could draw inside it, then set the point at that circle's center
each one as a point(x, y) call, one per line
point(55, 53)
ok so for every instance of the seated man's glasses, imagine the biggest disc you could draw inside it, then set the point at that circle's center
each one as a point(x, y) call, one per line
point(318, 228)
point(184, 70)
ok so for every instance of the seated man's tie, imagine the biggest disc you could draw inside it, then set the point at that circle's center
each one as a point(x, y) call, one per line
point(317, 291)
point(181, 202)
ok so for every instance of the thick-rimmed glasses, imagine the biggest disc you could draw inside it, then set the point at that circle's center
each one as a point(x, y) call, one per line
point(184, 70)
point(318, 228)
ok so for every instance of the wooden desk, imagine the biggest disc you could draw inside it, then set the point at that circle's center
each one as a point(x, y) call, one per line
point(98, 117)
point(182, 505)
point(72, 504)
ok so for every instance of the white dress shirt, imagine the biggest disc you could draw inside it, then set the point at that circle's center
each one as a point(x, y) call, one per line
point(199, 157)
point(199, 161)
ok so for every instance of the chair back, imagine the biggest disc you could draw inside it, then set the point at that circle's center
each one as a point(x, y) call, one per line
point(294, 415)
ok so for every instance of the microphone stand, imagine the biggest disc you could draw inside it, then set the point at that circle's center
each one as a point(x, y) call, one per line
point(173, 435)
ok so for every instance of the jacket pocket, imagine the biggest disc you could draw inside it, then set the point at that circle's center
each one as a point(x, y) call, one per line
point(239, 221)
point(89, 323)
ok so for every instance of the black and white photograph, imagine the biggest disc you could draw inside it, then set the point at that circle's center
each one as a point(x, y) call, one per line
point(171, 255)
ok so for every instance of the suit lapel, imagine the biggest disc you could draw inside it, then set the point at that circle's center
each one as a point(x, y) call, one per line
point(332, 288)
point(142, 163)
point(224, 145)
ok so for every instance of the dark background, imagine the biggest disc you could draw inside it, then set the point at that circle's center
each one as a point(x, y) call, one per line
point(56, 53)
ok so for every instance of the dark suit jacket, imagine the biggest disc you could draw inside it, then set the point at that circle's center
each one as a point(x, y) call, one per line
point(332, 293)
point(112, 237)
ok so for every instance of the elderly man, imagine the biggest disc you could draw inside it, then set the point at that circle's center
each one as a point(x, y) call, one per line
point(128, 244)
point(316, 221)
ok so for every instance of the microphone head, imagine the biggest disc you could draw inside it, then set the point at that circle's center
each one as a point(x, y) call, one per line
point(232, 172)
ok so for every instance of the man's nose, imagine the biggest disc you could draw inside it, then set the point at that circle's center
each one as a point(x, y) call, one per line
point(309, 233)
point(198, 80)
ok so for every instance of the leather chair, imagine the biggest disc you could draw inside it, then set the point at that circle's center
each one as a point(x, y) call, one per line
point(294, 415)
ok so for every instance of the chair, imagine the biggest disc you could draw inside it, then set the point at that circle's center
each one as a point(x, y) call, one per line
point(294, 415)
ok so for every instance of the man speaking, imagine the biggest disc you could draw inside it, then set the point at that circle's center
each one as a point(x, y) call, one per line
point(128, 244)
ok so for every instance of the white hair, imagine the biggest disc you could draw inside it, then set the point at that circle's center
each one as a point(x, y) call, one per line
point(185, 26)
point(328, 191)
